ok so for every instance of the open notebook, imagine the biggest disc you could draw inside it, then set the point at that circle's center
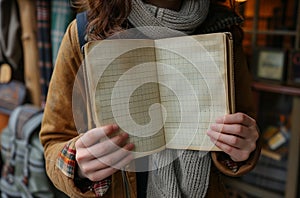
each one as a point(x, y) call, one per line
point(165, 93)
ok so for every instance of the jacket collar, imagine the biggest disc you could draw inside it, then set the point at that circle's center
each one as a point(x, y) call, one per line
point(219, 18)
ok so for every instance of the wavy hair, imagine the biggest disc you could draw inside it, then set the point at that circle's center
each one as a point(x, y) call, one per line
point(109, 16)
point(105, 16)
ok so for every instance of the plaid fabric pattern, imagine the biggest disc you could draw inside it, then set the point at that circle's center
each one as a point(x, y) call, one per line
point(66, 162)
point(44, 45)
point(233, 166)
point(100, 188)
point(61, 16)
point(229, 163)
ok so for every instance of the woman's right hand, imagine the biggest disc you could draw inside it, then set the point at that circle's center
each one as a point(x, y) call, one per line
point(98, 156)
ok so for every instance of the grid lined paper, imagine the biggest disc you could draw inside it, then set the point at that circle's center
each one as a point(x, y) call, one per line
point(187, 78)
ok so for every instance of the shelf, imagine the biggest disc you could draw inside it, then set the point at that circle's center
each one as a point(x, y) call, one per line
point(274, 88)
point(264, 22)
point(250, 189)
point(293, 147)
point(273, 32)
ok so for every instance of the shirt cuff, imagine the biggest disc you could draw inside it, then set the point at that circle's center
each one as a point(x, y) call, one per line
point(66, 162)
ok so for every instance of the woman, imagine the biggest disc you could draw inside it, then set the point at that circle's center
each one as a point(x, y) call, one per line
point(74, 162)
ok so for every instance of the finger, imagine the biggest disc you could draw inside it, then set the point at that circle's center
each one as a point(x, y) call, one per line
point(94, 135)
point(101, 148)
point(104, 173)
point(235, 154)
point(109, 145)
point(114, 158)
point(233, 129)
point(227, 139)
point(109, 160)
point(236, 118)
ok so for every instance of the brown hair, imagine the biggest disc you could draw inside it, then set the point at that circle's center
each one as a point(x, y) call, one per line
point(108, 16)
point(105, 16)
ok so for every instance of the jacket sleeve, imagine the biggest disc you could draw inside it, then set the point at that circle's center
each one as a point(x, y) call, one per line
point(244, 103)
point(62, 121)
point(65, 120)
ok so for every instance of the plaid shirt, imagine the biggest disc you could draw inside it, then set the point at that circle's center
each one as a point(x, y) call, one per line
point(66, 162)
point(53, 17)
point(44, 45)
point(61, 16)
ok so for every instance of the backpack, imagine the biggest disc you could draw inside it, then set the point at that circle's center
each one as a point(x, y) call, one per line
point(23, 172)
point(81, 19)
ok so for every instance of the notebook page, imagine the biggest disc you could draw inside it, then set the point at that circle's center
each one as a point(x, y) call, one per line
point(192, 88)
point(126, 91)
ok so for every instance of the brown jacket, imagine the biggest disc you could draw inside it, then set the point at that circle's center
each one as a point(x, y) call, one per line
point(59, 128)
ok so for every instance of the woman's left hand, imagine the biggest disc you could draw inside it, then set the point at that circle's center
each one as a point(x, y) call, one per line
point(236, 134)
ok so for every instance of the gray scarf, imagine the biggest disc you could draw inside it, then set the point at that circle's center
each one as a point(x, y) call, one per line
point(190, 16)
point(188, 174)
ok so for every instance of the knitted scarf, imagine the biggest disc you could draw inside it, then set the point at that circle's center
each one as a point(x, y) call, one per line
point(188, 174)
point(186, 20)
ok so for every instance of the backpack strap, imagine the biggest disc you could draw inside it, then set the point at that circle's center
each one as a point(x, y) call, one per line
point(81, 19)
point(13, 120)
point(32, 125)
point(19, 117)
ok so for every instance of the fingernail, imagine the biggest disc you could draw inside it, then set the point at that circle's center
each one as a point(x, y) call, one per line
point(115, 126)
point(208, 132)
point(130, 146)
point(220, 119)
point(213, 126)
point(124, 135)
